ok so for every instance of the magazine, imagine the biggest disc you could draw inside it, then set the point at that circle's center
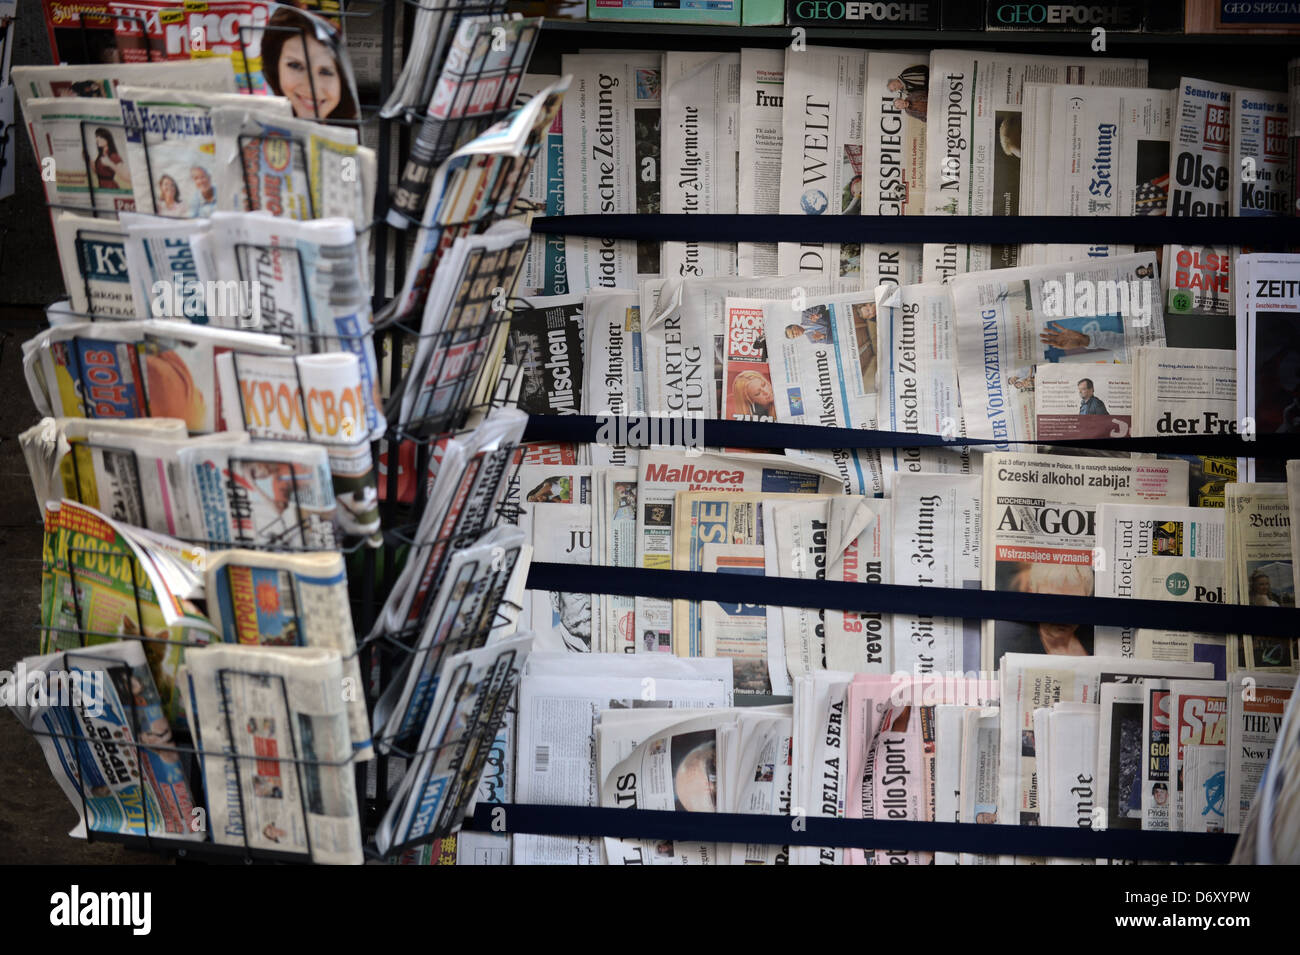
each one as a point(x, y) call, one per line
point(100, 80)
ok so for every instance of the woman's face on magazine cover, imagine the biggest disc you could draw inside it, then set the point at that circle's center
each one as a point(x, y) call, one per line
point(297, 83)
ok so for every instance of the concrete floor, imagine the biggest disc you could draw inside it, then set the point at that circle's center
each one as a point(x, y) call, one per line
point(35, 816)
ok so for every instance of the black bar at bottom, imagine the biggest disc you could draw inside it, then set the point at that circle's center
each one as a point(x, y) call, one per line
point(1031, 841)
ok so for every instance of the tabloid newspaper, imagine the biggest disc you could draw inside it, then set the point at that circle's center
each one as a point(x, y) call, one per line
point(1030, 681)
point(482, 70)
point(252, 705)
point(317, 398)
point(1189, 391)
point(544, 267)
point(662, 474)
point(758, 138)
point(158, 250)
point(482, 174)
point(1268, 341)
point(724, 529)
point(816, 354)
point(611, 117)
point(1260, 154)
point(1198, 279)
point(99, 741)
point(462, 618)
point(614, 545)
point(916, 370)
point(1040, 531)
point(698, 154)
point(936, 543)
point(1008, 321)
point(291, 168)
point(311, 288)
point(263, 493)
point(1071, 401)
point(128, 369)
point(833, 538)
point(62, 463)
point(562, 535)
point(1156, 707)
point(978, 795)
point(290, 600)
point(1198, 716)
point(974, 142)
point(171, 147)
point(1257, 703)
point(821, 158)
point(462, 325)
point(1186, 579)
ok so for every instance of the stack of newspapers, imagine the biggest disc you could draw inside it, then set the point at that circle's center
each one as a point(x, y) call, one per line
point(159, 652)
point(823, 130)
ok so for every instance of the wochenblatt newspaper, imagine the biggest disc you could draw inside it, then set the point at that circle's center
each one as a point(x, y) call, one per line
point(1040, 530)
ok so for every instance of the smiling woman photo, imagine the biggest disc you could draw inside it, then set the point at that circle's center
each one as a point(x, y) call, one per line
point(298, 65)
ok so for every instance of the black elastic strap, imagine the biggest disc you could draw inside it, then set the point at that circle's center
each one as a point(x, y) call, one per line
point(891, 230)
point(921, 601)
point(854, 833)
point(721, 433)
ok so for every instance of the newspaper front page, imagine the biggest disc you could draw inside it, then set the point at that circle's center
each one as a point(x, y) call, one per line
point(758, 176)
point(1040, 531)
point(821, 158)
point(1008, 321)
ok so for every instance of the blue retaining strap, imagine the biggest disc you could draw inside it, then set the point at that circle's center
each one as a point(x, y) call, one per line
point(993, 230)
point(720, 433)
point(931, 601)
point(854, 833)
